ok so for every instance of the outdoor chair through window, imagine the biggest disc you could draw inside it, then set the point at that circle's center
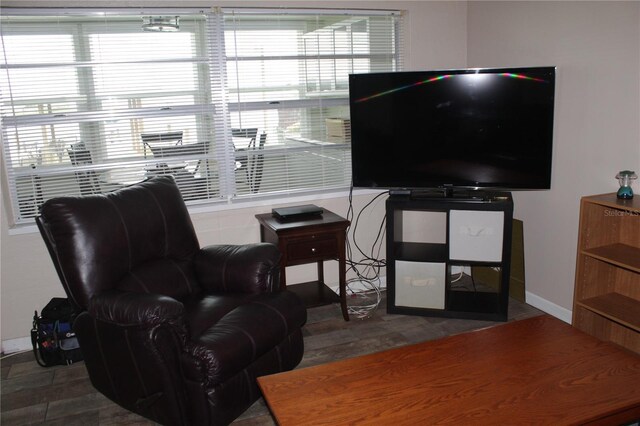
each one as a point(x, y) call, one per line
point(169, 152)
point(246, 159)
point(88, 180)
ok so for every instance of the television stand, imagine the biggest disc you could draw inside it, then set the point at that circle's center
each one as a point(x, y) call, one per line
point(425, 270)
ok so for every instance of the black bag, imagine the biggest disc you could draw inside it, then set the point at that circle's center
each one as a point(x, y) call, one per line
point(53, 340)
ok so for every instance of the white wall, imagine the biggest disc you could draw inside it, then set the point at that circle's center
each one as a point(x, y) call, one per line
point(436, 39)
point(596, 48)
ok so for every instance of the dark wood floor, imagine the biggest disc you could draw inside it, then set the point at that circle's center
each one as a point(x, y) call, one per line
point(63, 395)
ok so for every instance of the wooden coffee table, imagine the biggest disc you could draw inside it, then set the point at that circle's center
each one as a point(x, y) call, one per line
point(534, 371)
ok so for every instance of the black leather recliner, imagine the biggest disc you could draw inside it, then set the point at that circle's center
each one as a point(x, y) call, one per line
point(169, 330)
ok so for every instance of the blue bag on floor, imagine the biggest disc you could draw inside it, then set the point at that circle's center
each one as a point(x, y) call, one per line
point(52, 336)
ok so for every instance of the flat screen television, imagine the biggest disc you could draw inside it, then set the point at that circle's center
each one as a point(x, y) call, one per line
point(466, 128)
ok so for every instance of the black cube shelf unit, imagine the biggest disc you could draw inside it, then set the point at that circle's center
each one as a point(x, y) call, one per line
point(467, 232)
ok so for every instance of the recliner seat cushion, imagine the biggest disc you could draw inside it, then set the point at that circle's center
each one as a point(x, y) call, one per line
point(251, 326)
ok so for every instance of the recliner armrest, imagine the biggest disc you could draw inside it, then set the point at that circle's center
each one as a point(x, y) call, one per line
point(129, 308)
point(248, 268)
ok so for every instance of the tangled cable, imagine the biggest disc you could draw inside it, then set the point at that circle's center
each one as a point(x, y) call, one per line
point(363, 301)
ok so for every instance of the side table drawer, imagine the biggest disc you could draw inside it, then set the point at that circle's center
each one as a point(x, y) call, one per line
point(325, 246)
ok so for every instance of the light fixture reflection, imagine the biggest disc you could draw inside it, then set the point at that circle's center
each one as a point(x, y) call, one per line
point(476, 78)
point(161, 23)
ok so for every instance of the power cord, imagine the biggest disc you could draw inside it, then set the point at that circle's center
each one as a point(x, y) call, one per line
point(463, 285)
point(459, 277)
point(367, 270)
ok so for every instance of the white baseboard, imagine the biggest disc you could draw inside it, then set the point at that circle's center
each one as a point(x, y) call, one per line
point(24, 343)
point(557, 311)
point(534, 300)
point(20, 344)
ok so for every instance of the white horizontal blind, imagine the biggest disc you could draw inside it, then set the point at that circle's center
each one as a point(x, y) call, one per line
point(288, 77)
point(90, 102)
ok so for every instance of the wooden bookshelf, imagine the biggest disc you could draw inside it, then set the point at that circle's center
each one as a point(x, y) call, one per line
point(607, 288)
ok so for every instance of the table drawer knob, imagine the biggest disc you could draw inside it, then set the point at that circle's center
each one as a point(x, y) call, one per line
point(312, 250)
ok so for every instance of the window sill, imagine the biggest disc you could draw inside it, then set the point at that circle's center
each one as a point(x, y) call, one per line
point(23, 229)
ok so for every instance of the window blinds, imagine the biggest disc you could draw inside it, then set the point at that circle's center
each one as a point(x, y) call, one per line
point(288, 77)
point(236, 104)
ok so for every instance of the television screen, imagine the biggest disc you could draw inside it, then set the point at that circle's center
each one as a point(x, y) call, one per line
point(470, 128)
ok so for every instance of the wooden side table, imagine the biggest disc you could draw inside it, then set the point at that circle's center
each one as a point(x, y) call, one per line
point(310, 240)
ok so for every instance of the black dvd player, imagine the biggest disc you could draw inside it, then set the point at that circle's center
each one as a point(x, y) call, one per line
point(297, 212)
